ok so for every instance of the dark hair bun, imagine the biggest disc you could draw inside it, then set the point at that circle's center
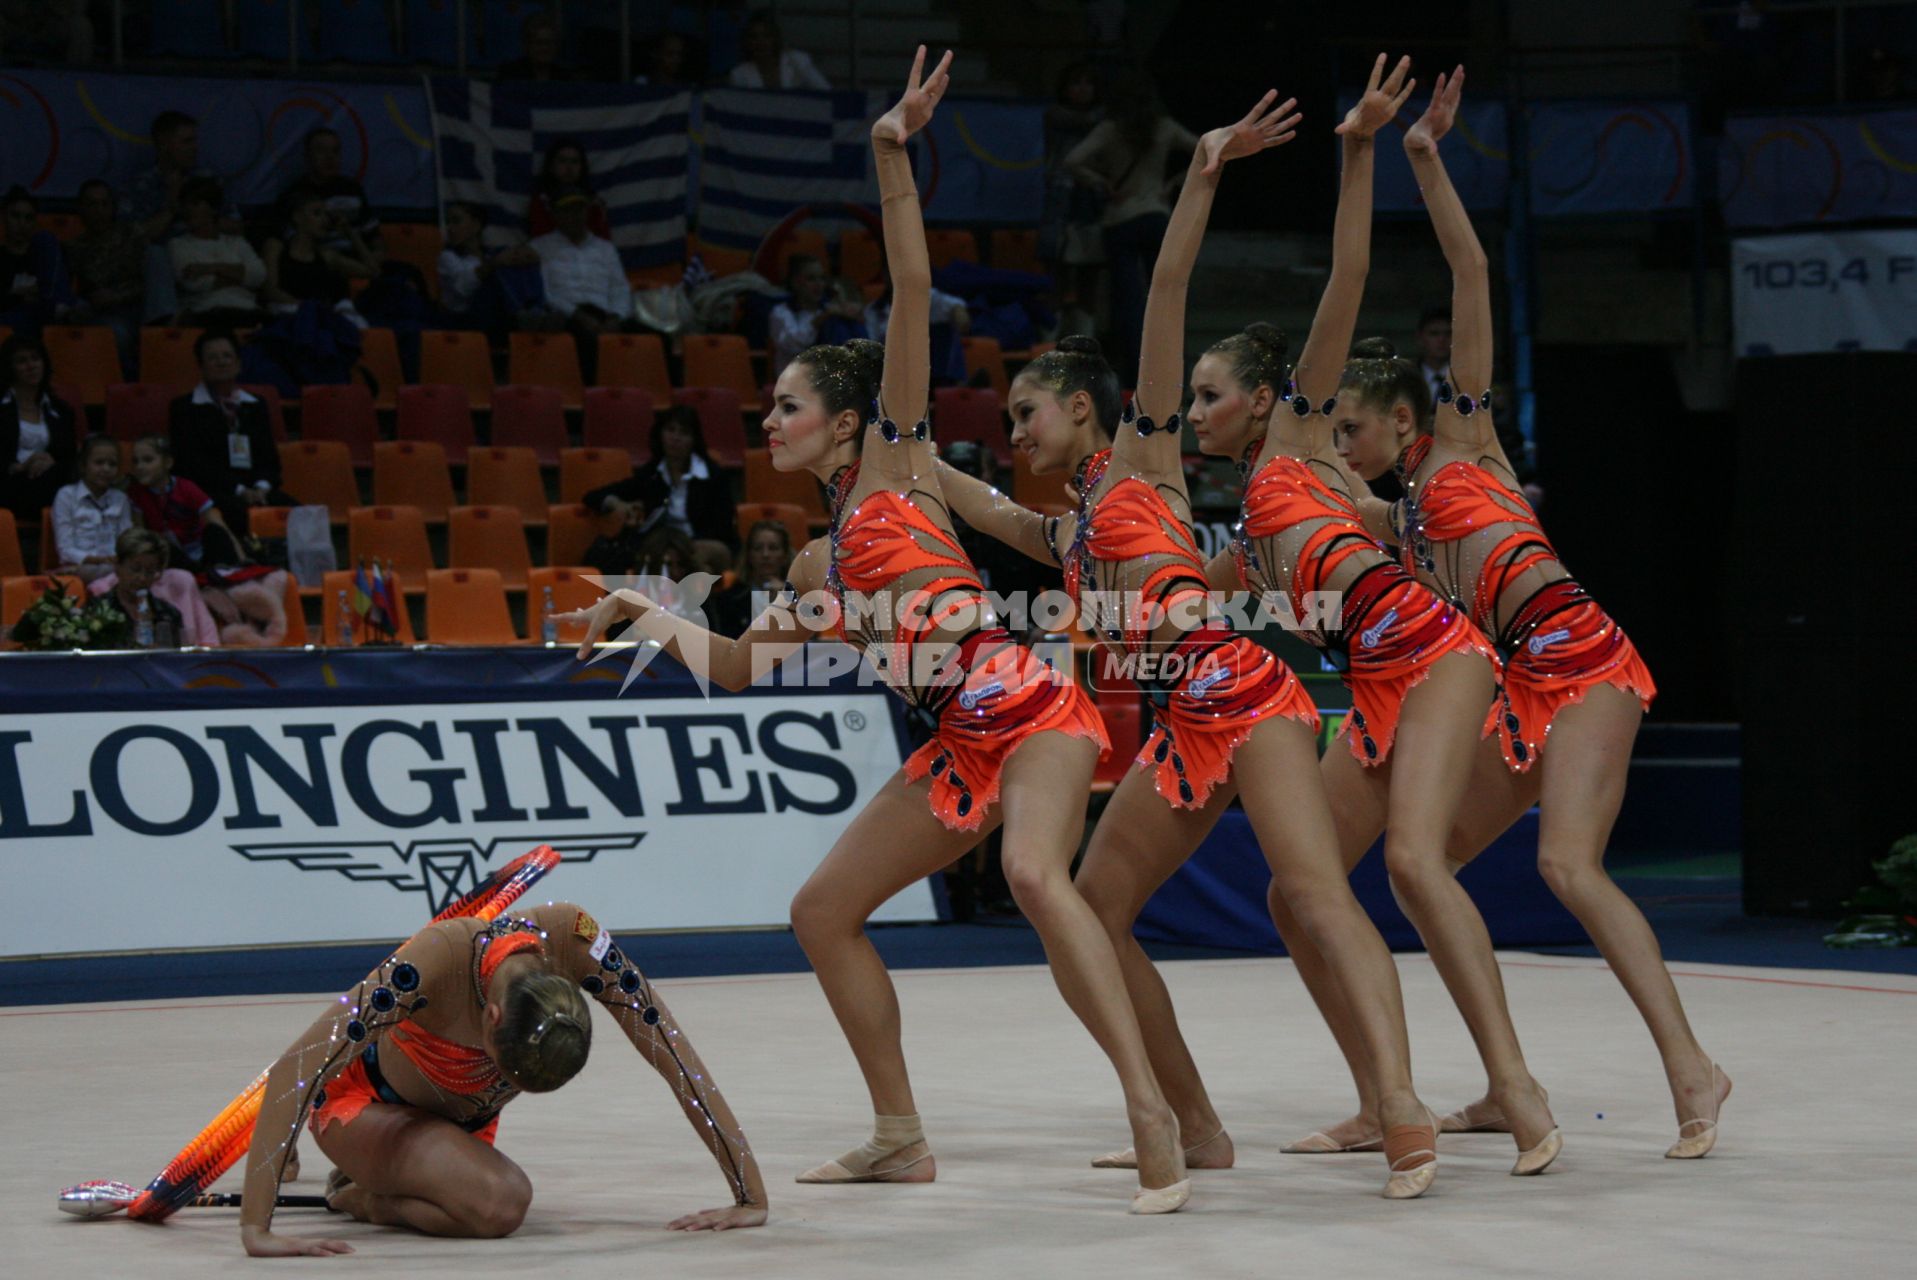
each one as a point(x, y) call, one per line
point(1079, 344)
point(1269, 336)
point(868, 358)
point(1373, 349)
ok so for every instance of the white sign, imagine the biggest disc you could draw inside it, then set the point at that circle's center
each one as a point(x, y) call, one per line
point(194, 829)
point(1824, 291)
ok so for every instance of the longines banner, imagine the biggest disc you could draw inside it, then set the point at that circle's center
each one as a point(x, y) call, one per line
point(248, 825)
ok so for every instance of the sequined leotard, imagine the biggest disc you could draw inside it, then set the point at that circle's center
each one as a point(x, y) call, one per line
point(1474, 538)
point(1297, 534)
point(1131, 565)
point(910, 599)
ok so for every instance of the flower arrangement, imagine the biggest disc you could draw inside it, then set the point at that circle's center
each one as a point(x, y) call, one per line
point(1891, 907)
point(57, 621)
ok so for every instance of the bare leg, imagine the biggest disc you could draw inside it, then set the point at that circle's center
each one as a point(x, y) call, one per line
point(1431, 762)
point(1285, 800)
point(1139, 841)
point(1357, 799)
point(410, 1168)
point(1583, 785)
point(1044, 819)
point(894, 841)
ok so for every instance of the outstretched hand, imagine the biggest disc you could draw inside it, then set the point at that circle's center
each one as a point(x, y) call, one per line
point(1264, 126)
point(914, 111)
point(606, 611)
point(1439, 115)
point(1381, 101)
point(736, 1215)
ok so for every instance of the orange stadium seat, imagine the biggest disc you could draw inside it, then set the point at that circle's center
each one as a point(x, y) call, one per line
point(635, 360)
point(166, 357)
point(267, 522)
point(395, 534)
point(296, 636)
point(861, 257)
point(275, 407)
point(721, 418)
point(570, 591)
point(488, 538)
point(619, 418)
point(86, 358)
point(582, 470)
point(984, 353)
point(766, 483)
point(11, 563)
point(570, 529)
point(1016, 249)
point(946, 245)
point(530, 417)
point(722, 360)
point(418, 243)
point(458, 359)
point(135, 409)
point(971, 413)
point(547, 360)
point(413, 473)
point(379, 358)
point(320, 472)
point(439, 412)
point(338, 584)
point(344, 413)
point(467, 606)
point(499, 477)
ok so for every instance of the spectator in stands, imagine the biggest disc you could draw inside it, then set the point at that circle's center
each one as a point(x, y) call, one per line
point(796, 323)
point(1434, 350)
point(683, 489)
point(153, 203)
point(768, 64)
point(539, 57)
point(1068, 237)
point(178, 509)
point(348, 216)
point(758, 575)
point(312, 264)
point(1124, 160)
point(38, 432)
point(90, 514)
point(222, 435)
point(585, 281)
point(216, 273)
point(481, 290)
point(663, 62)
point(138, 563)
point(33, 271)
point(109, 267)
point(566, 169)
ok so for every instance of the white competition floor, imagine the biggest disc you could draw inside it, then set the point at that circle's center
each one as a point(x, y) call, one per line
point(1812, 1175)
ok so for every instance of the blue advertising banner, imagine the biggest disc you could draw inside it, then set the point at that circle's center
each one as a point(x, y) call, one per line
point(1778, 171)
point(1598, 158)
point(984, 162)
point(60, 128)
point(1475, 152)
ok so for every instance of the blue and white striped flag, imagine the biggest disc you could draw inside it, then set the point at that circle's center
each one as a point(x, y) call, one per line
point(766, 154)
point(492, 139)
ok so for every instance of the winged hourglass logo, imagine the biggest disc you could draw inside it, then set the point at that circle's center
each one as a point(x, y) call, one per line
point(442, 868)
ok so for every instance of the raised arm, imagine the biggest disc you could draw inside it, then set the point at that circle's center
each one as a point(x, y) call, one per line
point(907, 382)
point(295, 1084)
point(1322, 362)
point(1471, 340)
point(996, 515)
point(778, 632)
point(1161, 366)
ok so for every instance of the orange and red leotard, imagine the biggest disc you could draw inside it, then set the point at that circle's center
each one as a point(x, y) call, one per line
point(1294, 534)
point(1216, 687)
point(980, 706)
point(1469, 532)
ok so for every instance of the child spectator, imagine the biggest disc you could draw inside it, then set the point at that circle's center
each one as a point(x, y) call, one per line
point(177, 509)
point(90, 514)
point(478, 290)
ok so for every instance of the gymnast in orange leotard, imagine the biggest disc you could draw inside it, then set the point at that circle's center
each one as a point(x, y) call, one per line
point(403, 1078)
point(1229, 718)
point(1013, 740)
point(1574, 689)
point(1421, 675)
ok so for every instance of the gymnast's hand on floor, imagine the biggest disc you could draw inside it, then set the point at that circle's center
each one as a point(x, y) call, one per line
point(733, 1215)
point(264, 1244)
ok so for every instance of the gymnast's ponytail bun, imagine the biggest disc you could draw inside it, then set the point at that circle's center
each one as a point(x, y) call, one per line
point(847, 375)
point(544, 1032)
point(1378, 377)
point(1075, 365)
point(1256, 356)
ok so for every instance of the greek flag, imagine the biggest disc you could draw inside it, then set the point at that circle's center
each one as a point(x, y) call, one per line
point(767, 154)
point(492, 140)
